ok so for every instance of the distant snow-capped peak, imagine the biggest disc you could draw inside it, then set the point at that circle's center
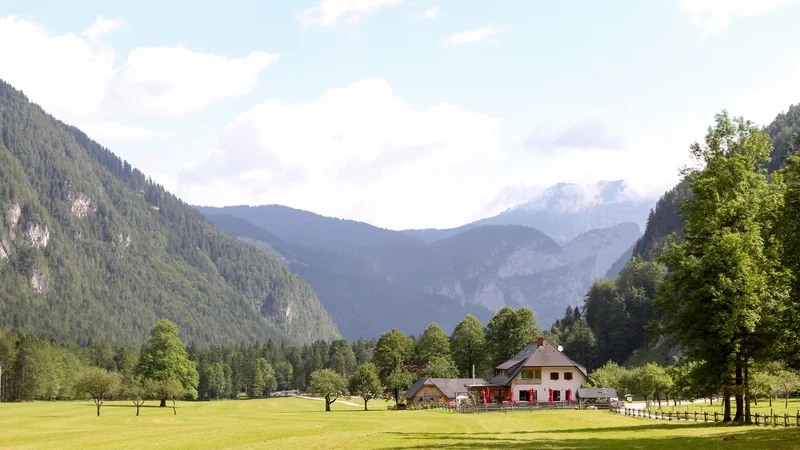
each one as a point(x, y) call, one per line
point(572, 197)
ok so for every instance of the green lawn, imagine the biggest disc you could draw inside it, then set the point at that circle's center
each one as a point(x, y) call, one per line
point(291, 423)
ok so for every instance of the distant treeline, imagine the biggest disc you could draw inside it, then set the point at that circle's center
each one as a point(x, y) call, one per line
point(33, 368)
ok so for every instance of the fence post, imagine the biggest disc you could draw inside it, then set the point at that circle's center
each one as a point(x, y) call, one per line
point(786, 420)
point(705, 416)
point(695, 416)
point(756, 418)
point(715, 416)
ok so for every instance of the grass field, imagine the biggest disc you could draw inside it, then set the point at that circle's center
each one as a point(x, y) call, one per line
point(293, 423)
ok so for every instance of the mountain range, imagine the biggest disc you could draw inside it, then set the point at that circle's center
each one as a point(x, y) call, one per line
point(372, 279)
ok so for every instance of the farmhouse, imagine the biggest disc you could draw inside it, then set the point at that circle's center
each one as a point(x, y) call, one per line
point(538, 373)
point(433, 390)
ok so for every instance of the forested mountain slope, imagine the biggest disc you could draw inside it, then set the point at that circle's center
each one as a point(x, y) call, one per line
point(92, 249)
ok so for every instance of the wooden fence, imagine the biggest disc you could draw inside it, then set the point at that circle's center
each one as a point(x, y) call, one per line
point(771, 419)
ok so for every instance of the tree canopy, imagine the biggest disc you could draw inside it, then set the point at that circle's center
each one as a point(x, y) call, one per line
point(165, 359)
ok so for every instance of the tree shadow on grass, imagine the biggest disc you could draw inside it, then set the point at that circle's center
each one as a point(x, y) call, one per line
point(134, 406)
point(744, 438)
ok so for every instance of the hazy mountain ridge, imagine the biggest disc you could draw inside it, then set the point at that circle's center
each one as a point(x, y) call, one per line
point(564, 211)
point(93, 249)
point(478, 270)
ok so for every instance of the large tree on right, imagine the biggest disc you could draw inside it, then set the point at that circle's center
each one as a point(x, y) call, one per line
point(726, 288)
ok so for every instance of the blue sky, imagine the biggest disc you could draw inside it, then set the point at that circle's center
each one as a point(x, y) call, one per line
point(402, 113)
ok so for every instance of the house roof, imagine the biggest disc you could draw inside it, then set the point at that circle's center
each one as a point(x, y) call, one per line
point(534, 355)
point(450, 387)
point(597, 393)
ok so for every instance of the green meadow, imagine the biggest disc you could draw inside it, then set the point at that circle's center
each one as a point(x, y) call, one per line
point(294, 423)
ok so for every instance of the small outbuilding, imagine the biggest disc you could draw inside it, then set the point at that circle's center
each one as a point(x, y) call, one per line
point(434, 390)
point(598, 397)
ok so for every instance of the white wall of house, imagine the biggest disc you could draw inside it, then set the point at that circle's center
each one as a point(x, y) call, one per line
point(519, 384)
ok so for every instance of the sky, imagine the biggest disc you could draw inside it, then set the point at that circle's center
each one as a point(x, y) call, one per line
point(401, 113)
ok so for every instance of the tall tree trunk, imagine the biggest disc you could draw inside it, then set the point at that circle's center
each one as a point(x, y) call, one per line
point(726, 404)
point(163, 403)
point(738, 394)
point(174, 407)
point(98, 403)
point(365, 404)
point(748, 419)
point(770, 400)
point(327, 403)
point(137, 410)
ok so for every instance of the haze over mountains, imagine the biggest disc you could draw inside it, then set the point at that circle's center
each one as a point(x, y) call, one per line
point(372, 279)
point(564, 211)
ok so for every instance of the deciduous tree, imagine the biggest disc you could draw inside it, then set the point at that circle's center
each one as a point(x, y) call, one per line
point(392, 351)
point(508, 332)
point(328, 384)
point(99, 384)
point(365, 383)
point(724, 273)
point(468, 346)
point(165, 358)
point(440, 367)
point(432, 344)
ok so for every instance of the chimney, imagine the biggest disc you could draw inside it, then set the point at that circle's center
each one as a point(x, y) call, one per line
point(540, 341)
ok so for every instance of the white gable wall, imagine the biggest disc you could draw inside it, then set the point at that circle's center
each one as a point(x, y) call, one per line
point(542, 393)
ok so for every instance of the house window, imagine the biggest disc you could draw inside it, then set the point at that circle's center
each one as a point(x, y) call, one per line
point(567, 375)
point(524, 396)
point(531, 374)
point(553, 375)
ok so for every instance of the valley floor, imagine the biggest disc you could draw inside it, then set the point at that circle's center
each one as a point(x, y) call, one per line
point(292, 423)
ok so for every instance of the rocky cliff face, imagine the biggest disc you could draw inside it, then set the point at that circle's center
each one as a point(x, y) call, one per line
point(600, 248)
point(522, 267)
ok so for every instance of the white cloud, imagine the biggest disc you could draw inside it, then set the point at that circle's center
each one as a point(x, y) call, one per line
point(172, 81)
point(74, 77)
point(716, 16)
point(471, 36)
point(100, 27)
point(431, 13)
point(328, 12)
point(358, 151)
